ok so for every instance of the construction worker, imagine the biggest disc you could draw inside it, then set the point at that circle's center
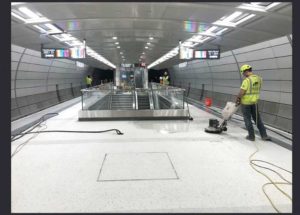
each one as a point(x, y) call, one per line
point(248, 98)
point(166, 79)
point(88, 81)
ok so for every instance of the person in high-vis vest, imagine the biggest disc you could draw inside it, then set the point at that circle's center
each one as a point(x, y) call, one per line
point(248, 98)
point(166, 79)
point(88, 81)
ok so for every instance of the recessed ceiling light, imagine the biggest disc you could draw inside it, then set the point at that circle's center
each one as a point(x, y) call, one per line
point(148, 43)
point(146, 47)
point(121, 52)
point(116, 43)
point(118, 47)
point(151, 38)
point(115, 38)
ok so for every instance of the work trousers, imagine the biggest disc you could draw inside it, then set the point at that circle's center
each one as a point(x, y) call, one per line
point(251, 111)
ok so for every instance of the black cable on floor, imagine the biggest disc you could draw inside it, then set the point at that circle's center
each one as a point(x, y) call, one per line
point(94, 132)
point(38, 124)
point(21, 134)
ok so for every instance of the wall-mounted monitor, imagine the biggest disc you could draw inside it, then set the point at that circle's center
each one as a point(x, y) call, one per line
point(186, 53)
point(62, 53)
point(71, 53)
point(207, 54)
point(78, 52)
point(48, 53)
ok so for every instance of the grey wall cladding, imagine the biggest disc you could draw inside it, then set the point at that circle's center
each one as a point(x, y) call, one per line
point(221, 80)
point(38, 83)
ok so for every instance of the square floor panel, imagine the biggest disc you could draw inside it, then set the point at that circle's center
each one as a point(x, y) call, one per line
point(137, 166)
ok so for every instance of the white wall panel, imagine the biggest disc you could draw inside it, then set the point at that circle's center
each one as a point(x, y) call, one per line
point(252, 47)
point(282, 50)
point(14, 65)
point(262, 64)
point(225, 68)
point(15, 48)
point(13, 74)
point(33, 52)
point(31, 75)
point(12, 94)
point(284, 62)
point(271, 85)
point(33, 67)
point(35, 60)
point(30, 83)
point(286, 98)
point(15, 56)
point(30, 91)
point(286, 86)
point(255, 55)
point(279, 41)
point(270, 96)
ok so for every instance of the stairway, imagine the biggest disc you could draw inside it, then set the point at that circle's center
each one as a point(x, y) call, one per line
point(143, 102)
point(122, 102)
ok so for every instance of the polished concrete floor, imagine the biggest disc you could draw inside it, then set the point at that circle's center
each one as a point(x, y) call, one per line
point(156, 166)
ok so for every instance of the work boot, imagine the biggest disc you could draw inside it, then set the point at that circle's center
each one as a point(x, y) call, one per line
point(250, 138)
point(266, 138)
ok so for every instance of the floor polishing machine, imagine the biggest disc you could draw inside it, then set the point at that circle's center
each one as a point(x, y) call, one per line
point(215, 126)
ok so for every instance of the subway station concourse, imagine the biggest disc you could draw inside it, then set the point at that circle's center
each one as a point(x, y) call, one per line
point(130, 107)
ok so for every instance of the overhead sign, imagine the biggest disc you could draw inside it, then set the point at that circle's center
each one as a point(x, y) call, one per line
point(207, 54)
point(71, 53)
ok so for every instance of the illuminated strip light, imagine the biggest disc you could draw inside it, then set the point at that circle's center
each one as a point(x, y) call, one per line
point(202, 37)
point(257, 7)
point(32, 17)
point(165, 57)
point(27, 21)
point(17, 3)
point(64, 37)
point(98, 57)
point(53, 29)
point(36, 18)
point(228, 20)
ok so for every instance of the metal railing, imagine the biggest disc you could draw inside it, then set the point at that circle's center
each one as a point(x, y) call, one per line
point(160, 96)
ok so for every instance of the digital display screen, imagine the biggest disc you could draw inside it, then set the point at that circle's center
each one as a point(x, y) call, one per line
point(207, 54)
point(77, 52)
point(73, 53)
point(48, 53)
point(62, 53)
point(213, 54)
point(201, 54)
point(185, 53)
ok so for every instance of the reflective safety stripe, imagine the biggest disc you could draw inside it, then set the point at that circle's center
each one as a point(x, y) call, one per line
point(252, 93)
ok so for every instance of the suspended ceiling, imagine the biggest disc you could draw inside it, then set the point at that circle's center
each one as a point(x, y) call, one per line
point(133, 24)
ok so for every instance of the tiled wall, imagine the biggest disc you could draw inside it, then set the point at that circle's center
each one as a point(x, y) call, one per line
point(220, 79)
point(38, 83)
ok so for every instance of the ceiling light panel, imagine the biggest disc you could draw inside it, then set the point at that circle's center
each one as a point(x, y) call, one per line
point(258, 6)
point(234, 19)
point(48, 28)
point(28, 16)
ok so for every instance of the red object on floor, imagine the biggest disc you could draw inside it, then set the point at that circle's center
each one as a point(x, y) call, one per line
point(208, 102)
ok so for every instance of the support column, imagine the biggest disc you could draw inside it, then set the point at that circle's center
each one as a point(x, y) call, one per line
point(117, 76)
point(145, 78)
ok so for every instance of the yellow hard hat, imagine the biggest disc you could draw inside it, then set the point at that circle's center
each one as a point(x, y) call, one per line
point(244, 68)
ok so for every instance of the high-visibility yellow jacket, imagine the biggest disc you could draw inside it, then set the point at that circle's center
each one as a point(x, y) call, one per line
point(252, 85)
point(88, 80)
point(165, 80)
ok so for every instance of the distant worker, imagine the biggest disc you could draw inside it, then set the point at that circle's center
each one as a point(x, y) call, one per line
point(161, 80)
point(166, 79)
point(248, 98)
point(88, 81)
